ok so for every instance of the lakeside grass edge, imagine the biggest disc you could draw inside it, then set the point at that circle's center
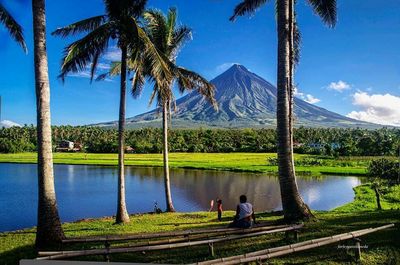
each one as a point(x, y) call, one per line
point(235, 162)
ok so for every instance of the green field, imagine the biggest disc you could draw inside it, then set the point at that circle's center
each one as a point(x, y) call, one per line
point(383, 246)
point(251, 162)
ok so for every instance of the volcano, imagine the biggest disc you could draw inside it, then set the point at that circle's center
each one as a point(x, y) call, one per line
point(245, 100)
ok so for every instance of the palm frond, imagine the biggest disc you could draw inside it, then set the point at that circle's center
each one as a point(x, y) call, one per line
point(82, 26)
point(102, 77)
point(154, 95)
point(115, 69)
point(136, 7)
point(157, 28)
point(113, 8)
point(326, 10)
point(157, 61)
point(189, 80)
point(181, 35)
point(93, 67)
point(137, 84)
point(80, 53)
point(247, 7)
point(117, 9)
point(13, 27)
point(171, 23)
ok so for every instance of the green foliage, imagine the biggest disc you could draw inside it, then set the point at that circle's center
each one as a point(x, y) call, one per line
point(329, 142)
point(384, 169)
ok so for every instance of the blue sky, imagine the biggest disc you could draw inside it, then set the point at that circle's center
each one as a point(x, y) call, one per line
point(353, 69)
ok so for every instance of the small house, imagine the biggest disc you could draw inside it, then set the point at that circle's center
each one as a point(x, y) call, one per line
point(65, 146)
point(129, 149)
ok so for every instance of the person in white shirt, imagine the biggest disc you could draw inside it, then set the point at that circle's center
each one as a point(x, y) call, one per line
point(244, 214)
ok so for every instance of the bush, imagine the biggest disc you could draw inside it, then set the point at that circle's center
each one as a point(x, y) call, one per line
point(384, 169)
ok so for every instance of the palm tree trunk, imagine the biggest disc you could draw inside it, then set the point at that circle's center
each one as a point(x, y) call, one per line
point(49, 231)
point(168, 197)
point(378, 197)
point(293, 206)
point(122, 213)
point(291, 72)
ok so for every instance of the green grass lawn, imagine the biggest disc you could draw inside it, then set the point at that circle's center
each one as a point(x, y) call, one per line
point(251, 162)
point(383, 246)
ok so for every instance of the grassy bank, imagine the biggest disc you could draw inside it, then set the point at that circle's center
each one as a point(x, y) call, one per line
point(365, 199)
point(383, 247)
point(251, 162)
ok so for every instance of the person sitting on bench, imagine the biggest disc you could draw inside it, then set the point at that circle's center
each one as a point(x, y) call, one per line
point(244, 214)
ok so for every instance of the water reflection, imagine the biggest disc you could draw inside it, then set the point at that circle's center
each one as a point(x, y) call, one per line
point(90, 191)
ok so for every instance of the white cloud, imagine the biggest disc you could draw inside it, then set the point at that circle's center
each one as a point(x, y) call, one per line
point(113, 54)
point(339, 86)
point(223, 67)
point(8, 124)
point(103, 66)
point(377, 108)
point(86, 74)
point(311, 99)
point(306, 97)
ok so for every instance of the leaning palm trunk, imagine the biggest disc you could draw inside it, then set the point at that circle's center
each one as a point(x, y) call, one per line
point(293, 206)
point(49, 231)
point(122, 213)
point(168, 197)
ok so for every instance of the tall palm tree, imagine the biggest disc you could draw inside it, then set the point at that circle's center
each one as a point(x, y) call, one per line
point(49, 231)
point(12, 26)
point(168, 38)
point(120, 23)
point(293, 205)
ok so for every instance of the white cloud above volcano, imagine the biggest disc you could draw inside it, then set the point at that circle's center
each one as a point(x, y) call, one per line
point(377, 108)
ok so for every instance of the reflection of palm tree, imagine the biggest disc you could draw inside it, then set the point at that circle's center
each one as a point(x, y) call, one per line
point(168, 38)
point(49, 231)
point(120, 24)
point(293, 205)
point(12, 26)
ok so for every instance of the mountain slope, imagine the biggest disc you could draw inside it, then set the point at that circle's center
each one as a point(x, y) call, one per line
point(245, 100)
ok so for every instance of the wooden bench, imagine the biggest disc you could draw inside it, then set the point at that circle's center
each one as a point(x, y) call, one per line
point(215, 236)
point(269, 253)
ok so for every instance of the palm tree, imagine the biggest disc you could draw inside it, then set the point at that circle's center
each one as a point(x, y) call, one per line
point(293, 205)
point(119, 24)
point(168, 38)
point(49, 230)
point(12, 26)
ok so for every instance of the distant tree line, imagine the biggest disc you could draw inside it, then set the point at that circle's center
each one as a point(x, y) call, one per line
point(322, 141)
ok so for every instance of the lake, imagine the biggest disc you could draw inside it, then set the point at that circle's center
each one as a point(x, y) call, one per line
point(91, 191)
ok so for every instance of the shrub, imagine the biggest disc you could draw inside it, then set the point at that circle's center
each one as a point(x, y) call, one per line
point(384, 169)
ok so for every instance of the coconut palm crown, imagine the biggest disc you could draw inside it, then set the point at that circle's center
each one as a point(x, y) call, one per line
point(120, 23)
point(168, 38)
point(13, 27)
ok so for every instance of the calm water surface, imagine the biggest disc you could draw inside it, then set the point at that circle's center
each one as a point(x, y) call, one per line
point(91, 191)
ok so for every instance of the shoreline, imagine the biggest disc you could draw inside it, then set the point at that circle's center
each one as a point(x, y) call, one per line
point(233, 162)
